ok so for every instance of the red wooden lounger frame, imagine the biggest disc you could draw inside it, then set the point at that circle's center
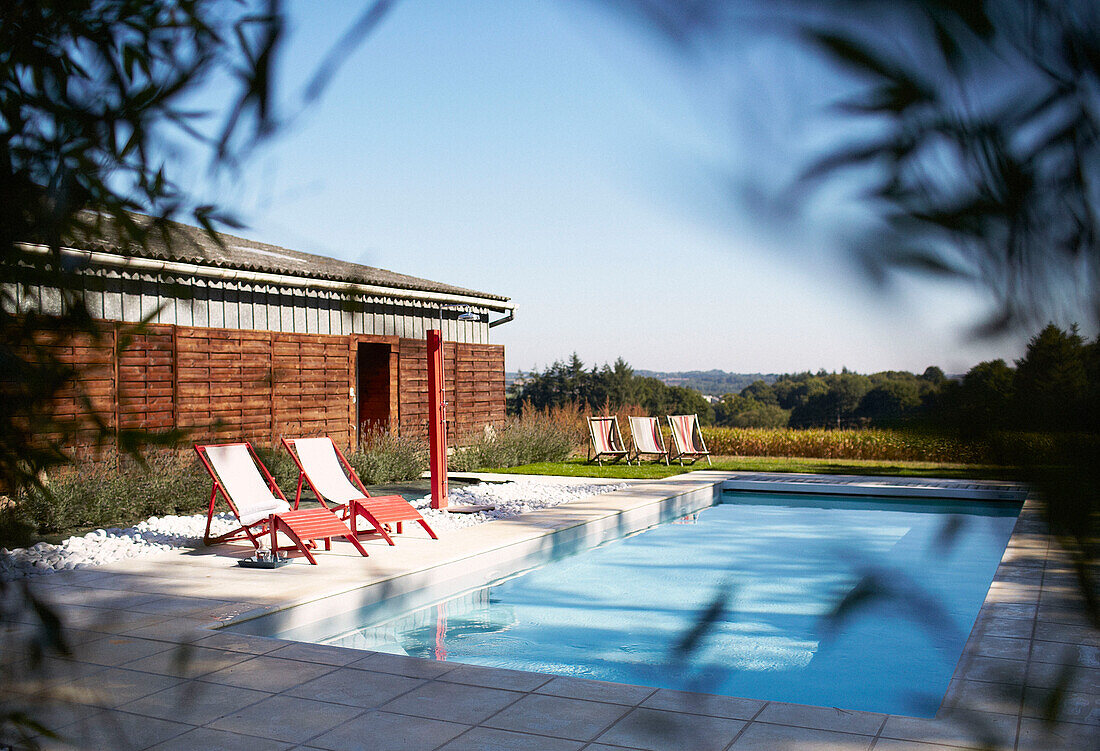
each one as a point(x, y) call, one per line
point(302, 526)
point(377, 510)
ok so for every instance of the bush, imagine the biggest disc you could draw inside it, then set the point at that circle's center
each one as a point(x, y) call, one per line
point(101, 494)
point(534, 437)
point(386, 457)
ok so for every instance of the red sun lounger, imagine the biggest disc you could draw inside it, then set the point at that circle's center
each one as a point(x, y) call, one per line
point(607, 441)
point(260, 506)
point(687, 438)
point(323, 467)
point(645, 434)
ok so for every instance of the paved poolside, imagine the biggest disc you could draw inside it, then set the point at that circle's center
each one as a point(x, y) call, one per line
point(148, 671)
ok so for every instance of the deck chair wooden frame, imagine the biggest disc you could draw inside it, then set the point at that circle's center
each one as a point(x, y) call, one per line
point(328, 473)
point(645, 434)
point(605, 441)
point(687, 438)
point(267, 511)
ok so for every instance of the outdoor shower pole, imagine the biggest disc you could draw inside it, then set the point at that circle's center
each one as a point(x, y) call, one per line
point(437, 417)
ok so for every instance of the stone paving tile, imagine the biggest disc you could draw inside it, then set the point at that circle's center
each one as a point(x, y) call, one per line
point(118, 650)
point(1059, 611)
point(580, 688)
point(513, 680)
point(121, 623)
point(357, 688)
point(174, 630)
point(187, 661)
point(488, 739)
point(453, 702)
point(1017, 628)
point(1019, 573)
point(1015, 592)
point(194, 702)
point(49, 713)
point(285, 718)
point(234, 642)
point(992, 669)
point(402, 665)
point(760, 736)
point(1008, 610)
point(1035, 735)
point(50, 674)
point(320, 653)
point(822, 718)
point(113, 687)
point(1070, 677)
point(1066, 654)
point(1072, 707)
point(575, 719)
point(207, 739)
point(658, 730)
point(95, 619)
point(1000, 646)
point(706, 704)
point(383, 731)
point(983, 696)
point(267, 673)
point(121, 731)
point(955, 728)
point(1060, 632)
point(892, 744)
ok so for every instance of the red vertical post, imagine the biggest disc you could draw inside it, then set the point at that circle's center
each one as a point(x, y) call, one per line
point(437, 420)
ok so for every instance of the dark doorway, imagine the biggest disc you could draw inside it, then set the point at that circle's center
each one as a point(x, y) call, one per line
point(373, 387)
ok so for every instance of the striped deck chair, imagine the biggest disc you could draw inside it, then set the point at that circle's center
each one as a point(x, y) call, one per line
point(645, 434)
point(607, 441)
point(259, 505)
point(687, 438)
point(323, 467)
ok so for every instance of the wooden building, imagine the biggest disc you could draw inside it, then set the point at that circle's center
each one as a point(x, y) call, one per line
point(251, 341)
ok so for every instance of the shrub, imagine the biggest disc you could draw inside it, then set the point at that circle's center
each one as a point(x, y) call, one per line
point(100, 494)
point(282, 468)
point(385, 457)
point(534, 437)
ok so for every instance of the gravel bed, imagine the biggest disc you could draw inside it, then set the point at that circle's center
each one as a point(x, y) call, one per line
point(160, 533)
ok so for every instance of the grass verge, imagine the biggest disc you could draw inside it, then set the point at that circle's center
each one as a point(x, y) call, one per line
point(579, 468)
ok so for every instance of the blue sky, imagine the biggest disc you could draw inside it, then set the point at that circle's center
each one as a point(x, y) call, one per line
point(548, 151)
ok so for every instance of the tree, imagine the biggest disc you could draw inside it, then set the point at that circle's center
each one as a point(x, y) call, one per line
point(889, 401)
point(933, 375)
point(90, 92)
point(1051, 381)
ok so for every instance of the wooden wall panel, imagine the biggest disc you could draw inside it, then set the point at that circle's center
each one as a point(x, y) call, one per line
point(230, 384)
point(474, 379)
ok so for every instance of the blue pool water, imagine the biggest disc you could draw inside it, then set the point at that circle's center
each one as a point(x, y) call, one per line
point(770, 570)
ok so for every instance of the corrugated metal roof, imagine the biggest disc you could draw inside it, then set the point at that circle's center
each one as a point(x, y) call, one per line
point(187, 244)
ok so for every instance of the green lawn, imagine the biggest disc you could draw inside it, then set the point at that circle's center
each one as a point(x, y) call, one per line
point(579, 468)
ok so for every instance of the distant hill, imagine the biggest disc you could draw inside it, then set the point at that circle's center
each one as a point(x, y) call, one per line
point(712, 382)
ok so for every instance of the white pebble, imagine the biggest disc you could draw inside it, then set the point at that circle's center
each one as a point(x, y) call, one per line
point(155, 534)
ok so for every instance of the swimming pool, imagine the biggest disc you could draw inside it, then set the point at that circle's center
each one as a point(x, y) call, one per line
point(770, 569)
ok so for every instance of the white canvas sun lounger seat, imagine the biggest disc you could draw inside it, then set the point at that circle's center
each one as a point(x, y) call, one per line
point(259, 505)
point(607, 441)
point(323, 467)
point(645, 434)
point(687, 439)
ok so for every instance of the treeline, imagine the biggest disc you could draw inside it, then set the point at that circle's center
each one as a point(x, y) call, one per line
point(1055, 386)
point(609, 387)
